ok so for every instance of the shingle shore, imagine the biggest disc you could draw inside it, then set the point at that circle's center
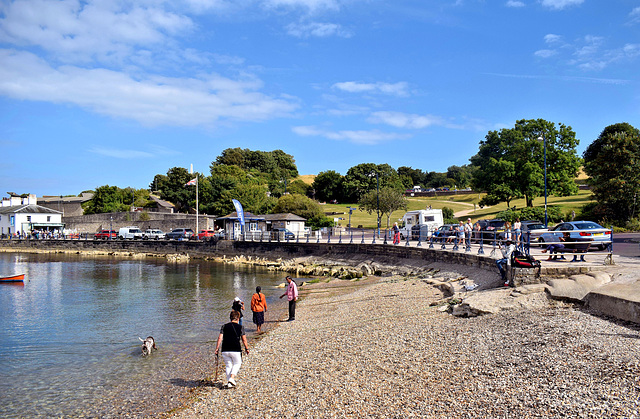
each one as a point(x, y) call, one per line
point(380, 350)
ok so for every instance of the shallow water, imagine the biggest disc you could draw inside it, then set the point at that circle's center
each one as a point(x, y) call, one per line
point(69, 335)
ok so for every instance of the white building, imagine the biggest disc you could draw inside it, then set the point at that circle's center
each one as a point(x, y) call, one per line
point(22, 215)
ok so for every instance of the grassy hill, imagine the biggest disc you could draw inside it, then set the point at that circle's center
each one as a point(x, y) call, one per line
point(463, 205)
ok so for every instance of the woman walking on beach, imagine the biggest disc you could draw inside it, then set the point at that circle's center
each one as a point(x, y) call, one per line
point(238, 305)
point(292, 296)
point(231, 334)
point(259, 307)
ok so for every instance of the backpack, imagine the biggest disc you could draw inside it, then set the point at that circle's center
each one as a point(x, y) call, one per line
point(521, 260)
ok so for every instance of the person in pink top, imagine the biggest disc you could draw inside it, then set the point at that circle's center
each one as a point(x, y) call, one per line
point(292, 296)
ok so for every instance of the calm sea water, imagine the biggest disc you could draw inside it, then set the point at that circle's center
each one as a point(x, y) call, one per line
point(69, 337)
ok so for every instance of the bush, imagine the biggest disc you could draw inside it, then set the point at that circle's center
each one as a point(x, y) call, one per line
point(447, 214)
point(531, 213)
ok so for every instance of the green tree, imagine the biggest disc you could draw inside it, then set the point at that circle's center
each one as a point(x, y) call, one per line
point(518, 151)
point(328, 186)
point(304, 207)
point(298, 186)
point(172, 188)
point(252, 197)
point(613, 163)
point(361, 178)
point(114, 199)
point(411, 177)
point(387, 200)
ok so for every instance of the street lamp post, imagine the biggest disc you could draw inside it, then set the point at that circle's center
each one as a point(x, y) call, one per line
point(544, 140)
point(377, 200)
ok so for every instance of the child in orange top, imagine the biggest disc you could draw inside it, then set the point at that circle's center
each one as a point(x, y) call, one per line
point(259, 307)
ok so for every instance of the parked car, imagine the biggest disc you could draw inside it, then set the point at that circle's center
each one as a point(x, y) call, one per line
point(533, 229)
point(580, 231)
point(131, 232)
point(282, 234)
point(492, 229)
point(180, 234)
point(106, 234)
point(154, 234)
point(445, 230)
point(208, 235)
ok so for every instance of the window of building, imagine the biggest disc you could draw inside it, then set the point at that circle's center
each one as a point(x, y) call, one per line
point(48, 218)
point(29, 218)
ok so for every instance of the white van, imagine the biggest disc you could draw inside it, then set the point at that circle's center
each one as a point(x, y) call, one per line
point(424, 221)
point(131, 232)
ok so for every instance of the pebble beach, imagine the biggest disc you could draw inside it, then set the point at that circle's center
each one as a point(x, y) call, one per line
point(383, 347)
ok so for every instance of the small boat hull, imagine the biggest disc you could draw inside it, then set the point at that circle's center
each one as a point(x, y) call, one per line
point(13, 278)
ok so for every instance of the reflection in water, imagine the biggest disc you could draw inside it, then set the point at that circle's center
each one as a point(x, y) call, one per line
point(69, 337)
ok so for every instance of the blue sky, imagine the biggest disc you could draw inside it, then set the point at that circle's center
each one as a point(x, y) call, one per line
point(114, 92)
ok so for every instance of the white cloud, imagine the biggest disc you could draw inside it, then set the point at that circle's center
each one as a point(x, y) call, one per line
point(363, 137)
point(396, 89)
point(311, 5)
point(83, 31)
point(560, 4)
point(545, 53)
point(121, 153)
point(154, 151)
point(405, 120)
point(153, 100)
point(515, 3)
point(552, 39)
point(588, 53)
point(317, 29)
point(635, 15)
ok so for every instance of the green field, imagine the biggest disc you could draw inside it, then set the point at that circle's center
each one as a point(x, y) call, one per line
point(458, 203)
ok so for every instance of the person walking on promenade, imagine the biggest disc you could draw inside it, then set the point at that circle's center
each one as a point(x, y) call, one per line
point(292, 296)
point(259, 307)
point(517, 231)
point(238, 305)
point(468, 231)
point(229, 343)
point(396, 234)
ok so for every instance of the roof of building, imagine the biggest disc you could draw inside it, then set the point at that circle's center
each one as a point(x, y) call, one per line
point(84, 197)
point(247, 216)
point(28, 209)
point(283, 217)
point(161, 202)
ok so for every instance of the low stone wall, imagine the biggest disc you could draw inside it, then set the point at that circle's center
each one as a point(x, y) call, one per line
point(391, 255)
point(93, 223)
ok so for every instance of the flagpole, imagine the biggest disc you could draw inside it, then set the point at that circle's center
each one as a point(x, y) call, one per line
point(197, 206)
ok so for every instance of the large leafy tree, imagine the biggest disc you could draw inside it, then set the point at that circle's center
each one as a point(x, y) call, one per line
point(361, 178)
point(510, 162)
point(411, 177)
point(114, 199)
point(172, 188)
point(387, 200)
point(613, 163)
point(304, 207)
point(327, 186)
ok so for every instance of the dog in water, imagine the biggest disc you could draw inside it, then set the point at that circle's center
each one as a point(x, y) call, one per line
point(148, 345)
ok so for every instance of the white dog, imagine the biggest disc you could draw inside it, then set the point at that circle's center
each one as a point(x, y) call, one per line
point(148, 345)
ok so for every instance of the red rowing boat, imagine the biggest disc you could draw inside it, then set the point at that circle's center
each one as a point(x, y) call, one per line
point(14, 278)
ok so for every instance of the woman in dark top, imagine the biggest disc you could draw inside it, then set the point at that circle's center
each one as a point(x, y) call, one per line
point(231, 334)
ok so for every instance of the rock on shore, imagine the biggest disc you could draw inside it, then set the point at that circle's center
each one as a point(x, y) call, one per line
point(383, 350)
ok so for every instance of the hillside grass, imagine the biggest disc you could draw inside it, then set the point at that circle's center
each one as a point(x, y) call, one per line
point(463, 206)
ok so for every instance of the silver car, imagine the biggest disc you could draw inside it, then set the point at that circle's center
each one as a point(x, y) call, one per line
point(153, 234)
point(579, 231)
